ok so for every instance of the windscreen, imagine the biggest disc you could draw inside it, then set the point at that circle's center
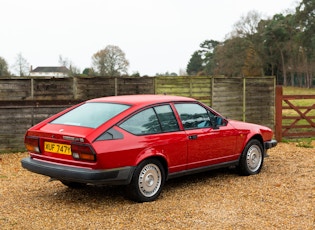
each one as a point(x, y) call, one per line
point(90, 114)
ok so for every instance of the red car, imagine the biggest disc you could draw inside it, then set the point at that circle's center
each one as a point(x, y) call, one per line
point(141, 141)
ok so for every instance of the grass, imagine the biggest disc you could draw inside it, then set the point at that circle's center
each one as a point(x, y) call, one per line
point(301, 142)
point(298, 91)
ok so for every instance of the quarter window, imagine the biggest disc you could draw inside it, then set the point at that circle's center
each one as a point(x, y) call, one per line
point(144, 122)
point(167, 118)
point(153, 120)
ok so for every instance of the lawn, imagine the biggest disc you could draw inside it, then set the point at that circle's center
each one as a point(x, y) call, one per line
point(298, 91)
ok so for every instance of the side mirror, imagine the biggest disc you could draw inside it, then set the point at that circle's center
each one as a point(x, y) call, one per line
point(216, 122)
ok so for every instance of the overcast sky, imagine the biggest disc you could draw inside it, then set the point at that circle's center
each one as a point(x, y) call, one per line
point(156, 35)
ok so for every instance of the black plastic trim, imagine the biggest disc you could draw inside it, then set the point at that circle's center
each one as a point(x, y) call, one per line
point(117, 176)
point(270, 144)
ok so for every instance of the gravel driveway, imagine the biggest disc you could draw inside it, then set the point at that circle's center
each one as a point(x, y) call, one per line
point(282, 196)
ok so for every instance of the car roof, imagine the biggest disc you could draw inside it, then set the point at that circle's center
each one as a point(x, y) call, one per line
point(142, 99)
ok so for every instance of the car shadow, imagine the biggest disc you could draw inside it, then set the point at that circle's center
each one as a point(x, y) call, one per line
point(92, 195)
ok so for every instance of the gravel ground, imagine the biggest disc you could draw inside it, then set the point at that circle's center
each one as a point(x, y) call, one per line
point(282, 196)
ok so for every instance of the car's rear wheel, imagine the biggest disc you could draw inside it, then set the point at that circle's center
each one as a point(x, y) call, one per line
point(147, 181)
point(252, 158)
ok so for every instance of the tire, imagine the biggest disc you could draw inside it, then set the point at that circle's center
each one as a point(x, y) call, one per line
point(252, 158)
point(147, 181)
point(73, 185)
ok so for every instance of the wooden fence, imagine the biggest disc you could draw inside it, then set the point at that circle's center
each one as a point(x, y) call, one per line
point(292, 119)
point(27, 101)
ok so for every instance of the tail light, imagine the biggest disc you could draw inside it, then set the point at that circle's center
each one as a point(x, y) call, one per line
point(32, 144)
point(82, 152)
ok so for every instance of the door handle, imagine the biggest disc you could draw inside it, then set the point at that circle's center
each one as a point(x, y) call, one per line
point(192, 137)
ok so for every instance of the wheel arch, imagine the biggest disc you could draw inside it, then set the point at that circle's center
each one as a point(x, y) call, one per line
point(259, 138)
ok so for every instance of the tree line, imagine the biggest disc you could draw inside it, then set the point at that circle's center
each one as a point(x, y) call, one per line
point(110, 61)
point(282, 46)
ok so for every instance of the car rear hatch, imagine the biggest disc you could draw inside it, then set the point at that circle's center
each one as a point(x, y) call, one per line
point(61, 143)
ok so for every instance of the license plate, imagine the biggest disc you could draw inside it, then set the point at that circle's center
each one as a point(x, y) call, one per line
point(57, 148)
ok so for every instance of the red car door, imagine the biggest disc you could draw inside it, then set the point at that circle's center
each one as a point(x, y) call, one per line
point(206, 145)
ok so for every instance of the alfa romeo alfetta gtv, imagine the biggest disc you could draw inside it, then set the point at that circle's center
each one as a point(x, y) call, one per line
point(141, 141)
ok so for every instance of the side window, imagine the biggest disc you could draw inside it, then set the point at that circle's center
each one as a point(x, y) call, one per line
point(167, 118)
point(193, 116)
point(144, 122)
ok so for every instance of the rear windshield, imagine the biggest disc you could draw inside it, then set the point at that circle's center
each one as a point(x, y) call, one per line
point(90, 114)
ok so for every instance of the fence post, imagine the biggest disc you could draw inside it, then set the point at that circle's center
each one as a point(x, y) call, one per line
point(278, 126)
point(212, 90)
point(244, 99)
point(32, 88)
point(116, 86)
point(75, 88)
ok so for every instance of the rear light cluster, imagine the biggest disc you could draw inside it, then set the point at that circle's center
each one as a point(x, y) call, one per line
point(82, 152)
point(32, 144)
point(79, 151)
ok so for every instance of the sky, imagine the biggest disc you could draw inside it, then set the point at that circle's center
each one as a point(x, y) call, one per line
point(157, 36)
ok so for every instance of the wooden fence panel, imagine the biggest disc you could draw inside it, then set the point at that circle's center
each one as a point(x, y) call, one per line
point(15, 120)
point(143, 85)
point(15, 89)
point(27, 101)
point(88, 88)
point(227, 97)
point(260, 100)
point(52, 88)
point(198, 87)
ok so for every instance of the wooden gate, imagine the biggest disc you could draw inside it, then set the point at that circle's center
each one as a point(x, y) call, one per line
point(295, 115)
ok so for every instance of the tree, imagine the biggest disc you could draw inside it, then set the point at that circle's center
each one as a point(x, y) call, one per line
point(305, 17)
point(110, 61)
point(66, 62)
point(281, 46)
point(21, 65)
point(166, 74)
point(207, 52)
point(247, 30)
point(247, 25)
point(202, 62)
point(88, 72)
point(4, 68)
point(195, 64)
point(230, 57)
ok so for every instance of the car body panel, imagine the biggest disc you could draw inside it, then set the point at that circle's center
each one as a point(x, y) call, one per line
point(204, 148)
point(181, 150)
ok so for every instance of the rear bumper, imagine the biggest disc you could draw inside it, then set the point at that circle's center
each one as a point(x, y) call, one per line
point(270, 144)
point(118, 176)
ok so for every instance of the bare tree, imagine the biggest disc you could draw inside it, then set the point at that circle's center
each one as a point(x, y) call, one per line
point(66, 62)
point(247, 25)
point(110, 61)
point(21, 65)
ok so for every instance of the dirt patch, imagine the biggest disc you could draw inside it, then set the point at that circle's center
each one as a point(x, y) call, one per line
point(282, 196)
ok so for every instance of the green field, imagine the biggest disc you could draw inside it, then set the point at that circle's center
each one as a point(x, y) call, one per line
point(298, 91)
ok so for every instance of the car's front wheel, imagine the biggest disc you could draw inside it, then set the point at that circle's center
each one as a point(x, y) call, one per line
point(147, 181)
point(252, 158)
